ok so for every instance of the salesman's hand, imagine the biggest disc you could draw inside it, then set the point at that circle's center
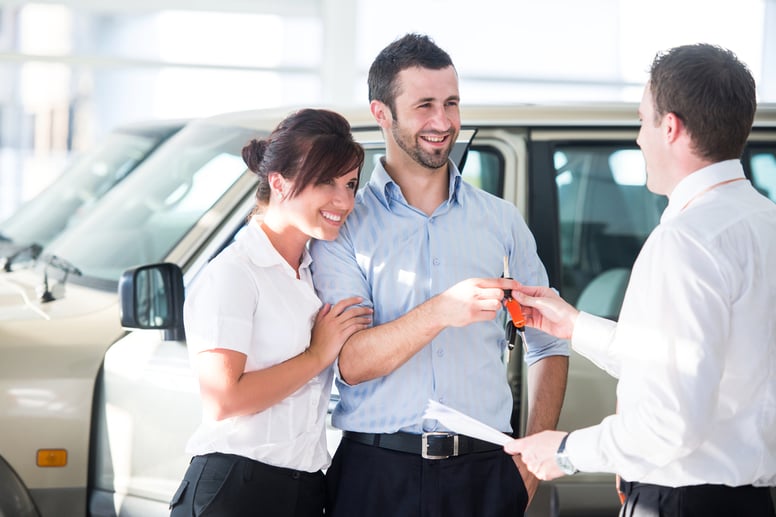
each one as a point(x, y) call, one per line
point(538, 453)
point(544, 309)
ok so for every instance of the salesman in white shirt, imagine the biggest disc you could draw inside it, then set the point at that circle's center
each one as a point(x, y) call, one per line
point(695, 346)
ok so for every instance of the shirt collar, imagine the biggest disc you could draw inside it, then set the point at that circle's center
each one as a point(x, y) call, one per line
point(387, 190)
point(260, 250)
point(700, 180)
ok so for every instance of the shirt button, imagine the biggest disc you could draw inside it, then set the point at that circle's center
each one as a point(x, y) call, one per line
point(440, 352)
point(295, 475)
point(436, 261)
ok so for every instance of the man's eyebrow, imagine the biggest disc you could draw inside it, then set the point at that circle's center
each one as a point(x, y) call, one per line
point(432, 99)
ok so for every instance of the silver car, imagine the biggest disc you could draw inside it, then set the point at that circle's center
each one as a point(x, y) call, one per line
point(112, 410)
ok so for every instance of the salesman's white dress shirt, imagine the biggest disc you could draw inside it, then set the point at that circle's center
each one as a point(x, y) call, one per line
point(695, 346)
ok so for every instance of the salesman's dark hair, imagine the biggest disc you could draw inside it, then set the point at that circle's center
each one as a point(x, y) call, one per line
point(711, 91)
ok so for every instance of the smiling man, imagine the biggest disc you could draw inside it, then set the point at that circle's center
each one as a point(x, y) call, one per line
point(425, 250)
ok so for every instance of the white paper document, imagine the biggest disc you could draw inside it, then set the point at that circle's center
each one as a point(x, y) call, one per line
point(464, 424)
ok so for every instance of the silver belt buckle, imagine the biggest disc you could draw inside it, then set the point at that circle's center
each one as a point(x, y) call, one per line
point(424, 445)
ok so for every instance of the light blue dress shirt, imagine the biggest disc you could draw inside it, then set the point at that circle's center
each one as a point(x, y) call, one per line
point(396, 257)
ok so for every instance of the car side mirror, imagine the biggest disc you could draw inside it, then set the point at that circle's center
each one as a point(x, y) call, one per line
point(151, 297)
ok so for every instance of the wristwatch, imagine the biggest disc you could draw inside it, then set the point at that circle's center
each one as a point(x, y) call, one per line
point(562, 459)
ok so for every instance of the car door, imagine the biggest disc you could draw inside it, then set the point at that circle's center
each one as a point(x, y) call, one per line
point(590, 212)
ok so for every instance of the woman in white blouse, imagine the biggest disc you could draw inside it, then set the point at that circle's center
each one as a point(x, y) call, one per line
point(259, 338)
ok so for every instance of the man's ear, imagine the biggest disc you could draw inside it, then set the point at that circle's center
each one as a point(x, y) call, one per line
point(673, 127)
point(381, 113)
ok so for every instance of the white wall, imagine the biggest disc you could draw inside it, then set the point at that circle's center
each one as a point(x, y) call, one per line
point(73, 70)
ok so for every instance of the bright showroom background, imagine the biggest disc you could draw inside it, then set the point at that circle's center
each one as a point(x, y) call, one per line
point(71, 71)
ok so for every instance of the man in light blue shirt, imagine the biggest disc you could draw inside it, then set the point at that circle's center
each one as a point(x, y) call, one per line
point(426, 250)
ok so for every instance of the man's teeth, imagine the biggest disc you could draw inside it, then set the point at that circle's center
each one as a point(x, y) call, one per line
point(435, 139)
point(332, 217)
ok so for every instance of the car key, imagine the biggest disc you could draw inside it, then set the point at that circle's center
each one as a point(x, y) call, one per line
point(515, 312)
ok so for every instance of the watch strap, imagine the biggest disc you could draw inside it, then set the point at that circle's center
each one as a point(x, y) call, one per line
point(562, 459)
point(562, 446)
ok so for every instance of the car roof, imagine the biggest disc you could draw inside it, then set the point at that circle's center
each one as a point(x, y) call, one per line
point(156, 129)
point(534, 115)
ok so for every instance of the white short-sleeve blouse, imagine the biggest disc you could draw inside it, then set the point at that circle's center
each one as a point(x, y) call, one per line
point(248, 299)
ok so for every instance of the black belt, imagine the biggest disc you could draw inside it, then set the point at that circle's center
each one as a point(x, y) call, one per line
point(431, 446)
point(628, 487)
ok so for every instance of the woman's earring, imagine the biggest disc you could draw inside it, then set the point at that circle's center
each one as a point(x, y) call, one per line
point(278, 186)
point(277, 192)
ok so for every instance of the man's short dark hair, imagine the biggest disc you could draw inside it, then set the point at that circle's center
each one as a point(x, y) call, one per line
point(711, 91)
point(411, 50)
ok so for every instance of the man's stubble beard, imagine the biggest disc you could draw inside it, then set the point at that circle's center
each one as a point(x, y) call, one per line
point(433, 160)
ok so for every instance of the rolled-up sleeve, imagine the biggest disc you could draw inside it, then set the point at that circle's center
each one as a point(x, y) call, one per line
point(336, 271)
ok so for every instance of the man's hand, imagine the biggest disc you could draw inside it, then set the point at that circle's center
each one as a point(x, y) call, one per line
point(471, 300)
point(530, 481)
point(544, 309)
point(538, 453)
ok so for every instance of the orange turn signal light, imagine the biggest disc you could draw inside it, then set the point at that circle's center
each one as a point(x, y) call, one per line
point(52, 457)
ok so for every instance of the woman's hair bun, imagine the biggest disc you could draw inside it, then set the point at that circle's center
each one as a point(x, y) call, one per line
point(253, 154)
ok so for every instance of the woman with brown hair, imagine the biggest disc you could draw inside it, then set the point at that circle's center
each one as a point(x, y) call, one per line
point(260, 340)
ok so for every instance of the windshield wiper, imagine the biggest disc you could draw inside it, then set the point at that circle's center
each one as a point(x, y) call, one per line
point(32, 251)
point(62, 265)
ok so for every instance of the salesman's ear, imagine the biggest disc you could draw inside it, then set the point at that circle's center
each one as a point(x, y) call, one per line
point(673, 126)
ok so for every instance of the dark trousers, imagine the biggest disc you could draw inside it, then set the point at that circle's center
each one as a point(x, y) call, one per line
point(365, 480)
point(645, 500)
point(226, 485)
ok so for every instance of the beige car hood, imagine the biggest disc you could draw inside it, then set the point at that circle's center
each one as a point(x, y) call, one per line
point(20, 298)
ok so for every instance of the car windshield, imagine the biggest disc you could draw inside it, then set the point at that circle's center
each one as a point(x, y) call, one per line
point(143, 218)
point(73, 193)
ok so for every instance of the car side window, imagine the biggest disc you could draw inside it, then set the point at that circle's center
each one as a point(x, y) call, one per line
point(605, 214)
point(484, 168)
point(762, 163)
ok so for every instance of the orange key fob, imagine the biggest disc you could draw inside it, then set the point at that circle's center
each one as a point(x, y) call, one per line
point(516, 312)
